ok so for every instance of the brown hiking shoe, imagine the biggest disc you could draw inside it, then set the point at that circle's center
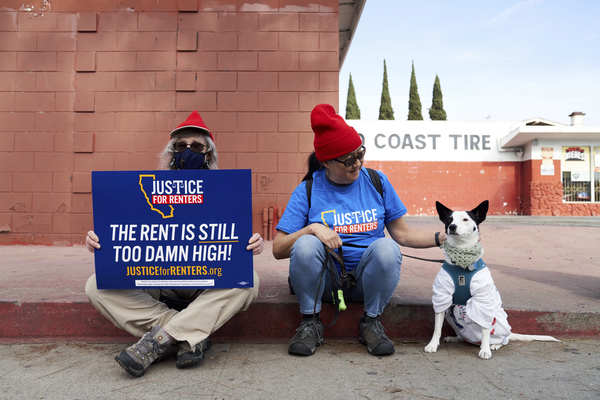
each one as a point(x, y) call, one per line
point(187, 358)
point(372, 335)
point(308, 336)
point(137, 358)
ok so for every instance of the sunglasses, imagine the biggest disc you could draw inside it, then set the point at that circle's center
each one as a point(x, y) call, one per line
point(196, 147)
point(348, 162)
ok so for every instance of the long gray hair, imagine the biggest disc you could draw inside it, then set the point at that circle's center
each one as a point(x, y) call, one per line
point(166, 157)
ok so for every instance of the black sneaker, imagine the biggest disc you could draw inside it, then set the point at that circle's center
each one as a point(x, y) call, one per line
point(308, 336)
point(137, 358)
point(372, 335)
point(187, 358)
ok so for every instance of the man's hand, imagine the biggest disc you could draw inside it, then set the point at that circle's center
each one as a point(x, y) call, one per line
point(255, 244)
point(92, 241)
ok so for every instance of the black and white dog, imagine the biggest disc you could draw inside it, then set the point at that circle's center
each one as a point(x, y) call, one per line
point(464, 290)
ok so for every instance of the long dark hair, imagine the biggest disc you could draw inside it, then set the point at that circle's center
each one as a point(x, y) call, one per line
point(313, 166)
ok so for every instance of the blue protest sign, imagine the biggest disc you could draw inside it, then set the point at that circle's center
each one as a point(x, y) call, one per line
point(173, 229)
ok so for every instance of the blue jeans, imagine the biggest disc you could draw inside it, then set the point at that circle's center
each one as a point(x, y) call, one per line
point(377, 275)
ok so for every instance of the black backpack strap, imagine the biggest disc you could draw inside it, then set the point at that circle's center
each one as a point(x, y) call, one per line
point(309, 183)
point(376, 180)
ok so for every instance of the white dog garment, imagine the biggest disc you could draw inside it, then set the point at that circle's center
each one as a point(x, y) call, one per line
point(484, 308)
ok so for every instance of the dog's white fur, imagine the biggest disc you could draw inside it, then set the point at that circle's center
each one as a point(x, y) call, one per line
point(463, 232)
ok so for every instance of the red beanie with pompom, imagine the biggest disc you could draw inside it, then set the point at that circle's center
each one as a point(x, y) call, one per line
point(333, 136)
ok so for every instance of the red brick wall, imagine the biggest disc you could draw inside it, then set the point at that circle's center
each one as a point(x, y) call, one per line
point(511, 187)
point(98, 84)
point(458, 185)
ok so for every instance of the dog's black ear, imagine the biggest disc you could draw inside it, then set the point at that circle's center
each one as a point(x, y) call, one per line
point(443, 211)
point(481, 211)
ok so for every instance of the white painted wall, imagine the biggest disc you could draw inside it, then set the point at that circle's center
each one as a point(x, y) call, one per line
point(434, 140)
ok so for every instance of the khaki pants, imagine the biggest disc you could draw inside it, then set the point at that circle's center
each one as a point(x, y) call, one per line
point(137, 310)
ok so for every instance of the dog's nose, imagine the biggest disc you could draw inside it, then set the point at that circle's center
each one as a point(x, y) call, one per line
point(452, 228)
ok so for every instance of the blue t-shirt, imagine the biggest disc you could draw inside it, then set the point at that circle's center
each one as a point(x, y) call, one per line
point(357, 212)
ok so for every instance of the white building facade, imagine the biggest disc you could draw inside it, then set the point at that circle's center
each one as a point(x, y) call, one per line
point(533, 167)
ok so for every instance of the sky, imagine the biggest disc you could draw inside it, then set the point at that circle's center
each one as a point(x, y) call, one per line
point(497, 61)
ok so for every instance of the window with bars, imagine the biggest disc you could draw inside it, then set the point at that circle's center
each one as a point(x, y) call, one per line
point(581, 174)
point(575, 191)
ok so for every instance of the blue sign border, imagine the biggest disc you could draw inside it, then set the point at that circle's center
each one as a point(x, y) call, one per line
point(173, 229)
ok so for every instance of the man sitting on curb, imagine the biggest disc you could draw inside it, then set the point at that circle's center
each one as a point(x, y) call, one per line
point(142, 313)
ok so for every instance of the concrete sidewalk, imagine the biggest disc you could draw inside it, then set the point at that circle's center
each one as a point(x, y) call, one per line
point(338, 370)
point(546, 269)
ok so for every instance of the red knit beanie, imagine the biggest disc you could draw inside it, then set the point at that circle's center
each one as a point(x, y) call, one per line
point(333, 137)
point(194, 121)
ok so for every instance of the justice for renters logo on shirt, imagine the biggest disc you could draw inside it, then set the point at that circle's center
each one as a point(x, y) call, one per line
point(351, 222)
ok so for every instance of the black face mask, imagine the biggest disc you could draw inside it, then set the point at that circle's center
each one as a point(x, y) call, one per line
point(190, 160)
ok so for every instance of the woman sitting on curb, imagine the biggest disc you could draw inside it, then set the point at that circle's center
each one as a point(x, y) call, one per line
point(346, 210)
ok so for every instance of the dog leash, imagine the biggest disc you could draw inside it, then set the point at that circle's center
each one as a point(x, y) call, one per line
point(328, 265)
point(423, 259)
point(338, 302)
point(403, 255)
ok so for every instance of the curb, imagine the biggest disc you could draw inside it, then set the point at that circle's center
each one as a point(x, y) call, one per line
point(47, 321)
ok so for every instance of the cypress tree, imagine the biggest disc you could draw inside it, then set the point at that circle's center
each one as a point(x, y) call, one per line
point(414, 101)
point(437, 112)
point(352, 110)
point(385, 108)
